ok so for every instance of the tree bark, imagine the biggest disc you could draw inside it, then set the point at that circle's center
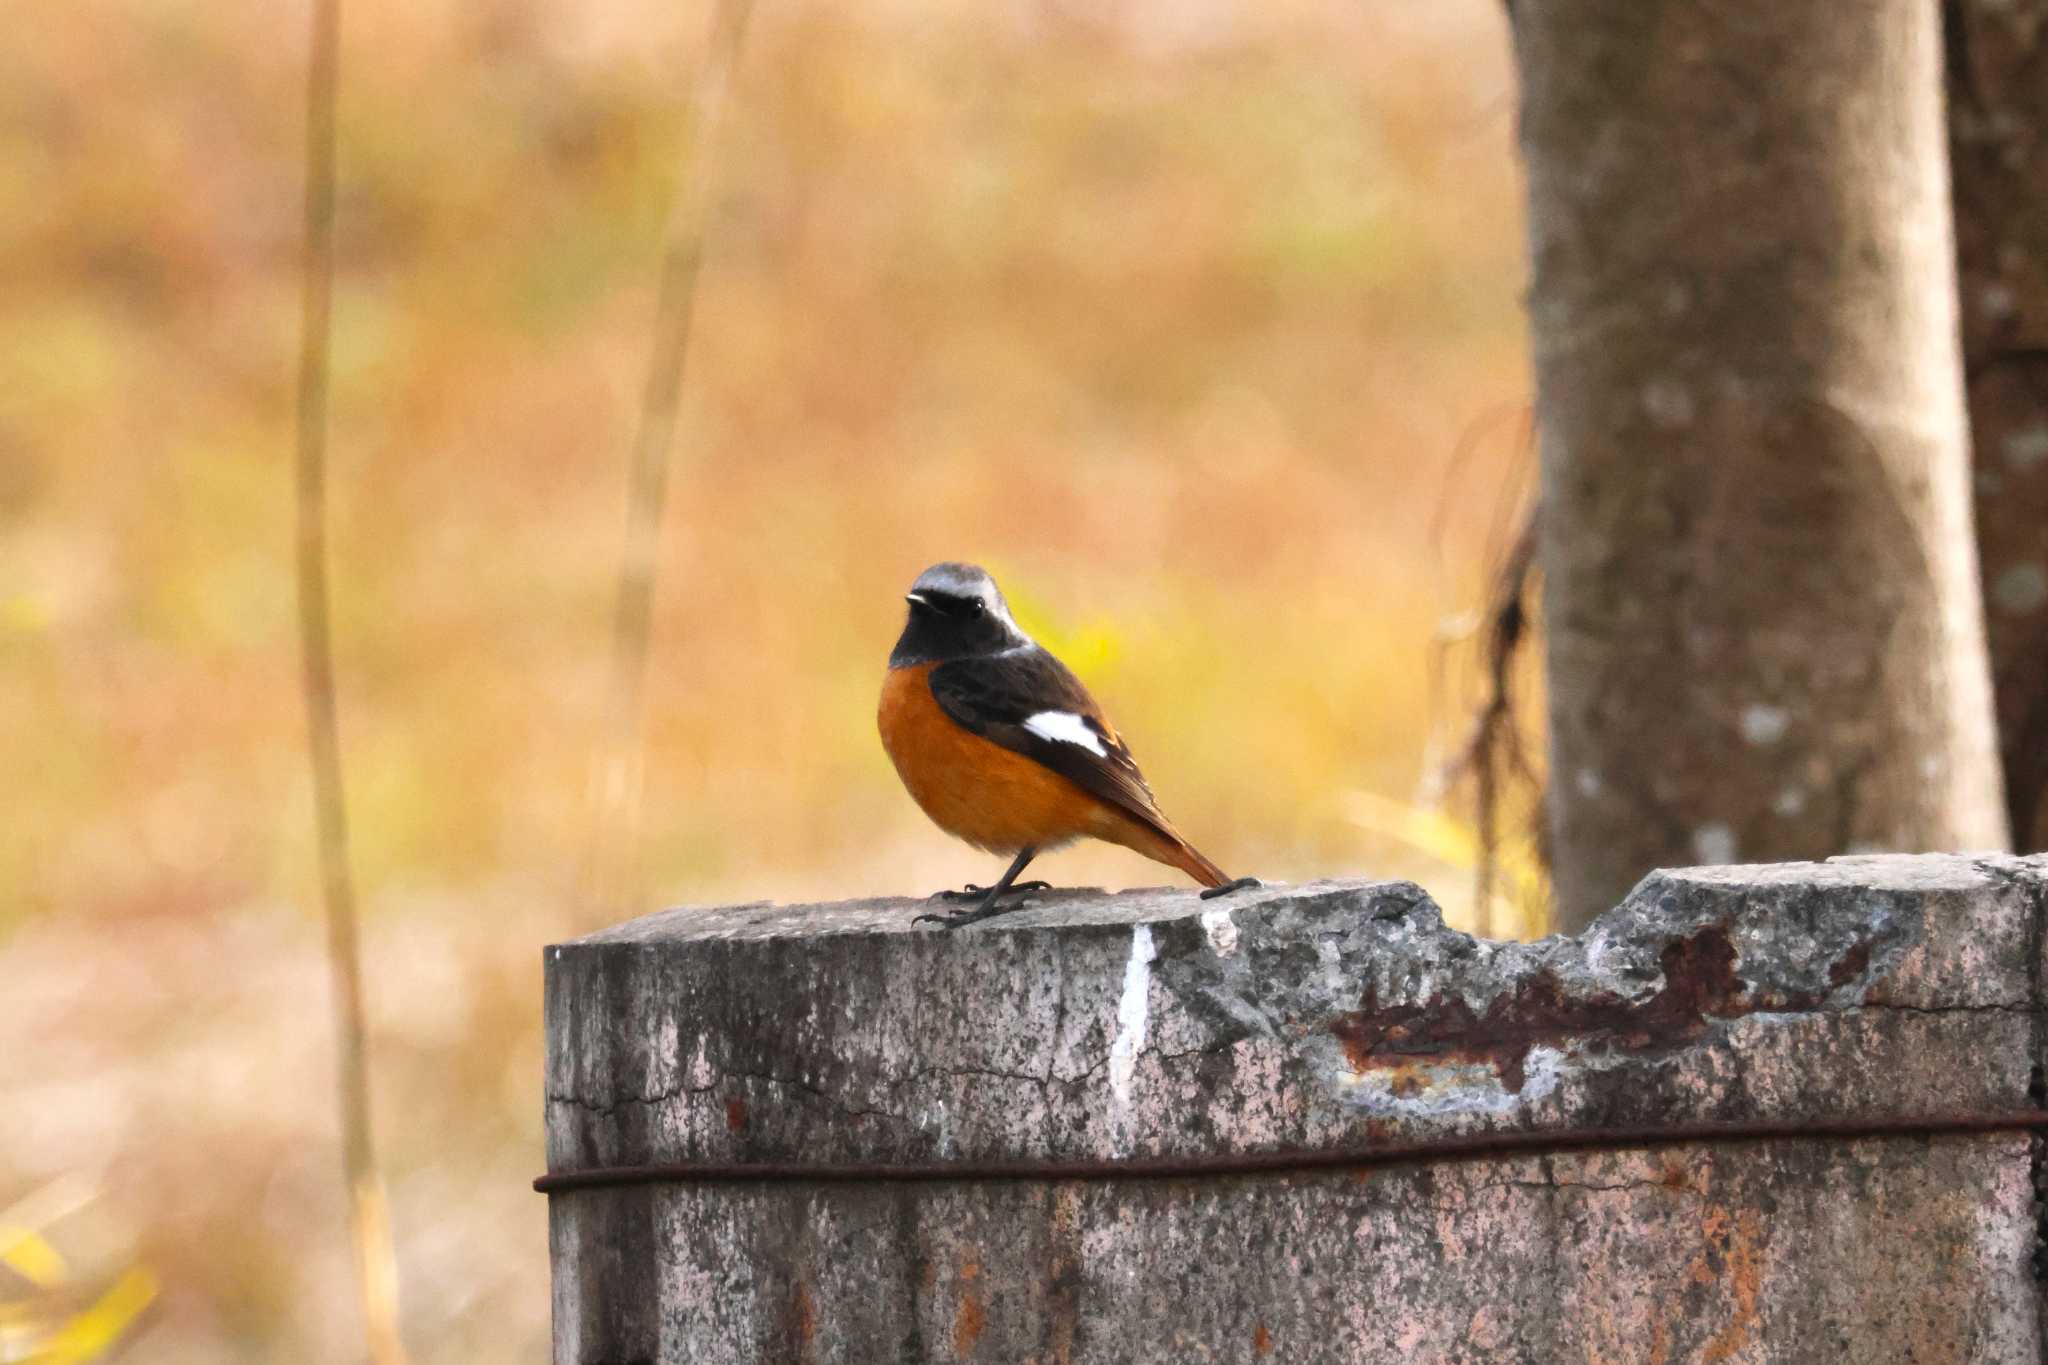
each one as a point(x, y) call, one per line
point(1998, 138)
point(1765, 636)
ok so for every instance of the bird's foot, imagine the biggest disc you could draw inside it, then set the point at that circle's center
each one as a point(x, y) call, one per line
point(973, 892)
point(988, 909)
point(1241, 884)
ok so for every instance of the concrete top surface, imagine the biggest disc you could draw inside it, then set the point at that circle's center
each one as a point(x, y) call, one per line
point(1153, 1023)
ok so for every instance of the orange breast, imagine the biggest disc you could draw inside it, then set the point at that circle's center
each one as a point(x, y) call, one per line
point(975, 789)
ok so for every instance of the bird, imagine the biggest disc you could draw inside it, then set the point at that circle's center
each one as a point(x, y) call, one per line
point(1001, 746)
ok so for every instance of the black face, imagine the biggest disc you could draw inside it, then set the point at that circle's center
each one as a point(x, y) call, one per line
point(946, 625)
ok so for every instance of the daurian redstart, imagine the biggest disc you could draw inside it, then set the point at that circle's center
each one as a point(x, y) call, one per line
point(1003, 747)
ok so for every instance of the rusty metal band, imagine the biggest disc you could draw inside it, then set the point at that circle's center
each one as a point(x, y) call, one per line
point(1456, 1147)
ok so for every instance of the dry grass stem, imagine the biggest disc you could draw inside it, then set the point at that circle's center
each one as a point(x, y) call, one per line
point(376, 1262)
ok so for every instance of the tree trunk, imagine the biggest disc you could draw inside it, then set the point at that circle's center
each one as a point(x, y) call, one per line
point(1998, 136)
point(1764, 632)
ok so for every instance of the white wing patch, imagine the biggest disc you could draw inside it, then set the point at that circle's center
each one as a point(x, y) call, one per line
point(1064, 727)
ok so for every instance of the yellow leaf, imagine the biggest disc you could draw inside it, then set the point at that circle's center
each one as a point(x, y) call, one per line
point(92, 1333)
point(29, 1255)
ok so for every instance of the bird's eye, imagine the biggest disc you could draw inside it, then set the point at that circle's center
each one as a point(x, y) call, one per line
point(977, 606)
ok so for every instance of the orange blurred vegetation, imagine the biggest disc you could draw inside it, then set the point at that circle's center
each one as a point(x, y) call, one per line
point(1197, 323)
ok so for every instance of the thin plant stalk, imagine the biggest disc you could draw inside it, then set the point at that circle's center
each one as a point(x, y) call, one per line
point(369, 1214)
point(611, 871)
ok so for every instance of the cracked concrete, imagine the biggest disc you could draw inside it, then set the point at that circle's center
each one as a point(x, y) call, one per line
point(1339, 1014)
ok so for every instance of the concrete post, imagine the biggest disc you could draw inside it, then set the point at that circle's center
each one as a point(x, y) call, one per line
point(1752, 1114)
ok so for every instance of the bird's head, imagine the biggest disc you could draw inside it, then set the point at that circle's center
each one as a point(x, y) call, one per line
point(956, 612)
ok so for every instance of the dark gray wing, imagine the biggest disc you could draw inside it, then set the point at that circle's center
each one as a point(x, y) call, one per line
point(1017, 699)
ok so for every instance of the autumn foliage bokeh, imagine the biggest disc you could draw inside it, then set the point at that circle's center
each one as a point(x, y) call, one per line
point(1197, 323)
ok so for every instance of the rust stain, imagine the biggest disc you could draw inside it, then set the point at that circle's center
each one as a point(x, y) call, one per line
point(1063, 1281)
point(969, 1320)
point(1745, 1275)
point(1700, 984)
point(1660, 1342)
point(1714, 1232)
point(1714, 1226)
point(735, 1115)
point(800, 1321)
point(1406, 1080)
point(1262, 1341)
point(968, 1324)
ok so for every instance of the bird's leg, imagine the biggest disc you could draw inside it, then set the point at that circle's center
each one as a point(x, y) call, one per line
point(972, 892)
point(1241, 884)
point(988, 905)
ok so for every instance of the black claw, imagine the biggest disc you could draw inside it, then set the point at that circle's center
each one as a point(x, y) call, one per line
point(973, 892)
point(1241, 884)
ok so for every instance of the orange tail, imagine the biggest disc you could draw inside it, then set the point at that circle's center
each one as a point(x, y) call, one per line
point(1164, 845)
point(1190, 860)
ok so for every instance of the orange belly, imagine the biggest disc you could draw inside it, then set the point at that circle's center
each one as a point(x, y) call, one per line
point(975, 789)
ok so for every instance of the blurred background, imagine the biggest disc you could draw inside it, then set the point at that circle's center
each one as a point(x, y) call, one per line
point(1197, 323)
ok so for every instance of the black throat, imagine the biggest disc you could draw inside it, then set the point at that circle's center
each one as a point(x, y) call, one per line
point(942, 627)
